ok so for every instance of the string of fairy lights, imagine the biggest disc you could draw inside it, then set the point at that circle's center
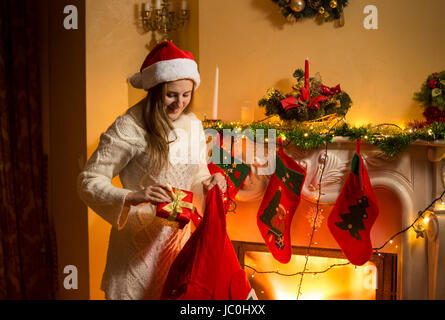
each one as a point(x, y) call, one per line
point(420, 217)
point(360, 133)
point(315, 220)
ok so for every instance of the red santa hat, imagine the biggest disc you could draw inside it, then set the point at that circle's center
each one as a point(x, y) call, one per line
point(165, 63)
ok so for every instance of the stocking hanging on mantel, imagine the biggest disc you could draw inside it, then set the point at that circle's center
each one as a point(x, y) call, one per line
point(235, 171)
point(354, 213)
point(279, 204)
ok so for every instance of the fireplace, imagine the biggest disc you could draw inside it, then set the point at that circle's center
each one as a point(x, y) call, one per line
point(404, 185)
point(376, 280)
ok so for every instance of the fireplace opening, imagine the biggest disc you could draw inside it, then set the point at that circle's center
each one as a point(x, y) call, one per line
point(375, 280)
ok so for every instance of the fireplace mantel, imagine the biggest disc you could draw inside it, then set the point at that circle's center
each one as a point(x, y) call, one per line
point(416, 176)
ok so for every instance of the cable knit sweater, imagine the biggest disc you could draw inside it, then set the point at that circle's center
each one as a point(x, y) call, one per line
point(141, 249)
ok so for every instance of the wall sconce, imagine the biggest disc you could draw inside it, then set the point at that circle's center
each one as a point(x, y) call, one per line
point(160, 18)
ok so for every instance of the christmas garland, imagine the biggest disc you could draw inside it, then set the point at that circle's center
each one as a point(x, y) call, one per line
point(390, 139)
point(306, 102)
point(432, 97)
point(294, 10)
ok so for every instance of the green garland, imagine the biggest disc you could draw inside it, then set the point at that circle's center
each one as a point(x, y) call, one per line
point(336, 101)
point(325, 9)
point(391, 141)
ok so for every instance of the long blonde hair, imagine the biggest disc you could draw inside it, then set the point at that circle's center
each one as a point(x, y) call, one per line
point(158, 126)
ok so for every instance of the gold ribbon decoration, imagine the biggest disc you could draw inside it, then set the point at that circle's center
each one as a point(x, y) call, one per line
point(177, 204)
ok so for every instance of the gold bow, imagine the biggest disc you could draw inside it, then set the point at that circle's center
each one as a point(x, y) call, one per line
point(177, 204)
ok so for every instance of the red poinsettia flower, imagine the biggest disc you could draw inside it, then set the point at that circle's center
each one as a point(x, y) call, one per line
point(315, 102)
point(289, 103)
point(432, 84)
point(330, 91)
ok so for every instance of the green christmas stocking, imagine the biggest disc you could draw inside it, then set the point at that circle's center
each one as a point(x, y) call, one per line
point(235, 173)
point(277, 209)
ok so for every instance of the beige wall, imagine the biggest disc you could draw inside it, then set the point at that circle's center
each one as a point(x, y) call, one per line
point(256, 48)
point(115, 49)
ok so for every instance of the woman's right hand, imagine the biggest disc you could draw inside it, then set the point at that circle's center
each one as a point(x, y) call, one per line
point(154, 194)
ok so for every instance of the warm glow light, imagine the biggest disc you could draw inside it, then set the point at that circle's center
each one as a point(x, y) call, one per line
point(340, 283)
point(440, 206)
point(314, 295)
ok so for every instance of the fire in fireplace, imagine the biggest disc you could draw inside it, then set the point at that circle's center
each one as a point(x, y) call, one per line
point(376, 280)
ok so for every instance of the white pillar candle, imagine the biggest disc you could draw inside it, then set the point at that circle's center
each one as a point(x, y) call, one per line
point(157, 4)
point(215, 96)
point(247, 112)
point(184, 5)
point(147, 6)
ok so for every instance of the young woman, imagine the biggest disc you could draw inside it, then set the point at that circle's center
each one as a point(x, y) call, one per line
point(138, 147)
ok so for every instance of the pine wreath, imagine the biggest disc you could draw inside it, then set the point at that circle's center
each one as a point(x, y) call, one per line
point(432, 97)
point(294, 10)
point(321, 100)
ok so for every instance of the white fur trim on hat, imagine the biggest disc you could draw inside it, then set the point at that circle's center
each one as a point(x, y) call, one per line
point(136, 80)
point(165, 71)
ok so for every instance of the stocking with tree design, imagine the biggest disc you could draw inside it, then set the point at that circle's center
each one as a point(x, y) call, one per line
point(279, 204)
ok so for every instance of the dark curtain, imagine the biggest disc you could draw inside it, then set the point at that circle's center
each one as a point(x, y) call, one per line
point(27, 250)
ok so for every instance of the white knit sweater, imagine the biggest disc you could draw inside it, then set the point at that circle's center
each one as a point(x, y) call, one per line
point(141, 249)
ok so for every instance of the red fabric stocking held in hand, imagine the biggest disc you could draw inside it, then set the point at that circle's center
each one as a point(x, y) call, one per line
point(279, 204)
point(354, 214)
point(207, 267)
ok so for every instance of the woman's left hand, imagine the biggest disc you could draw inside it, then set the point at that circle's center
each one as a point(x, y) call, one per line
point(216, 179)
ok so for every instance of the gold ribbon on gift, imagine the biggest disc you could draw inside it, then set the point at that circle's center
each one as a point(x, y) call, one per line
point(175, 207)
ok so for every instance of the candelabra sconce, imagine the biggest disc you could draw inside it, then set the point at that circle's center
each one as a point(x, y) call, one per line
point(160, 18)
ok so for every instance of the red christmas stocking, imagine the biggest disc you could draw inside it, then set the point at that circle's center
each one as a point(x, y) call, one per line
point(207, 267)
point(354, 214)
point(277, 209)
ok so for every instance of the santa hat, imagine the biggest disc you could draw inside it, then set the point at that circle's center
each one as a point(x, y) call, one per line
point(163, 64)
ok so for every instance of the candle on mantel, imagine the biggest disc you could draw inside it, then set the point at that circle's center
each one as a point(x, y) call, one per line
point(147, 6)
point(306, 73)
point(184, 5)
point(215, 96)
point(157, 4)
point(247, 112)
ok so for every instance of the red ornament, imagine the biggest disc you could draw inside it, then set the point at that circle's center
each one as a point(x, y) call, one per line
point(432, 84)
point(432, 114)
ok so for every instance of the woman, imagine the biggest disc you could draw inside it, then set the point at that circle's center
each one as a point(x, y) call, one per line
point(138, 147)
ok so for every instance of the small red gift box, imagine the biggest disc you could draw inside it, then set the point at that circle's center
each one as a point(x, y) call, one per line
point(178, 212)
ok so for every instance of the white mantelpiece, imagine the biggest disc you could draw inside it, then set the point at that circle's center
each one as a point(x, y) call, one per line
point(416, 176)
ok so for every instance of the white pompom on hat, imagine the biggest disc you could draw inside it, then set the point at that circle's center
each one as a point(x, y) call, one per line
point(166, 63)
